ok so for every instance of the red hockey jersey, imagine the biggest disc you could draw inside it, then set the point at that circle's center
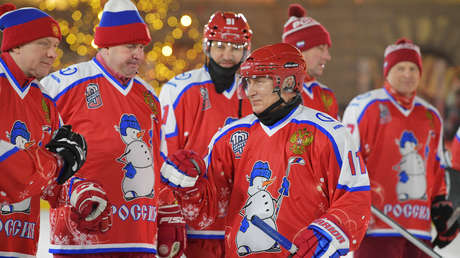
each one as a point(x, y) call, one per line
point(193, 112)
point(28, 120)
point(401, 148)
point(317, 96)
point(302, 168)
point(455, 150)
point(122, 127)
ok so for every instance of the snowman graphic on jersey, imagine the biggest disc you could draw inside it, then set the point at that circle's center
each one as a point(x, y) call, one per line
point(250, 239)
point(411, 168)
point(19, 137)
point(138, 170)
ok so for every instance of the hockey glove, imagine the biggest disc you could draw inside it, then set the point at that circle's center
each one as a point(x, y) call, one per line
point(91, 210)
point(441, 211)
point(71, 147)
point(183, 170)
point(171, 231)
point(322, 238)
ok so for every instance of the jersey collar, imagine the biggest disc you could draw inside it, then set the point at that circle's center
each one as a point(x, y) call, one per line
point(124, 89)
point(18, 80)
point(271, 130)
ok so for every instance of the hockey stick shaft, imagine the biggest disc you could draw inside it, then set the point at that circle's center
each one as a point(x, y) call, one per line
point(275, 235)
point(453, 218)
point(406, 234)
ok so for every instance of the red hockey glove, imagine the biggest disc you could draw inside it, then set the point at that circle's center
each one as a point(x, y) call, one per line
point(91, 209)
point(441, 211)
point(183, 170)
point(171, 231)
point(322, 238)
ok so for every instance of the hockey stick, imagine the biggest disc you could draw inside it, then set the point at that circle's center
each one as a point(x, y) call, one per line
point(292, 160)
point(417, 242)
point(275, 235)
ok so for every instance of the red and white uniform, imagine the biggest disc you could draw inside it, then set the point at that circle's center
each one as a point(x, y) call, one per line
point(193, 112)
point(401, 146)
point(325, 179)
point(455, 149)
point(26, 168)
point(122, 127)
point(318, 96)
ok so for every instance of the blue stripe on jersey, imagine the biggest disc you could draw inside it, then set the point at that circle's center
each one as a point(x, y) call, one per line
point(169, 135)
point(284, 118)
point(176, 102)
point(325, 132)
point(391, 97)
point(457, 137)
point(368, 104)
point(397, 235)
point(226, 131)
point(16, 84)
point(26, 15)
point(198, 236)
point(354, 189)
point(7, 154)
point(75, 83)
point(2, 74)
point(109, 75)
point(110, 19)
point(153, 93)
point(102, 250)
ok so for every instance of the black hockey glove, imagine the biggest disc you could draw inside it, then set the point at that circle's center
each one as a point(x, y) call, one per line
point(441, 211)
point(71, 147)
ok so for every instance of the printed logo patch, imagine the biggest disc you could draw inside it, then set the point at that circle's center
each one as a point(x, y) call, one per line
point(150, 101)
point(385, 115)
point(205, 97)
point(93, 96)
point(238, 141)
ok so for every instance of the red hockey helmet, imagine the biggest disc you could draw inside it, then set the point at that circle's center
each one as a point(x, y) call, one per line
point(227, 27)
point(282, 62)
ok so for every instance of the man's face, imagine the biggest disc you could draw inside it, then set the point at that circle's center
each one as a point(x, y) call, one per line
point(124, 59)
point(404, 77)
point(316, 59)
point(226, 54)
point(260, 93)
point(36, 58)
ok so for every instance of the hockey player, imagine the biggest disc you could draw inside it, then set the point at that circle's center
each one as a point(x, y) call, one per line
point(28, 169)
point(199, 102)
point(400, 136)
point(290, 170)
point(120, 117)
point(455, 150)
point(314, 41)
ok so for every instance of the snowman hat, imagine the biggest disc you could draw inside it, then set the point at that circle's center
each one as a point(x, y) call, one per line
point(128, 121)
point(260, 169)
point(19, 129)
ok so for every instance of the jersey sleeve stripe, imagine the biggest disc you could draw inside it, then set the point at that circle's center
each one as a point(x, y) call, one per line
point(354, 189)
point(176, 102)
point(325, 132)
point(72, 85)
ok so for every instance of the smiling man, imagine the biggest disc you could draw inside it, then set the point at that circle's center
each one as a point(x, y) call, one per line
point(314, 41)
point(28, 169)
point(120, 116)
point(400, 136)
